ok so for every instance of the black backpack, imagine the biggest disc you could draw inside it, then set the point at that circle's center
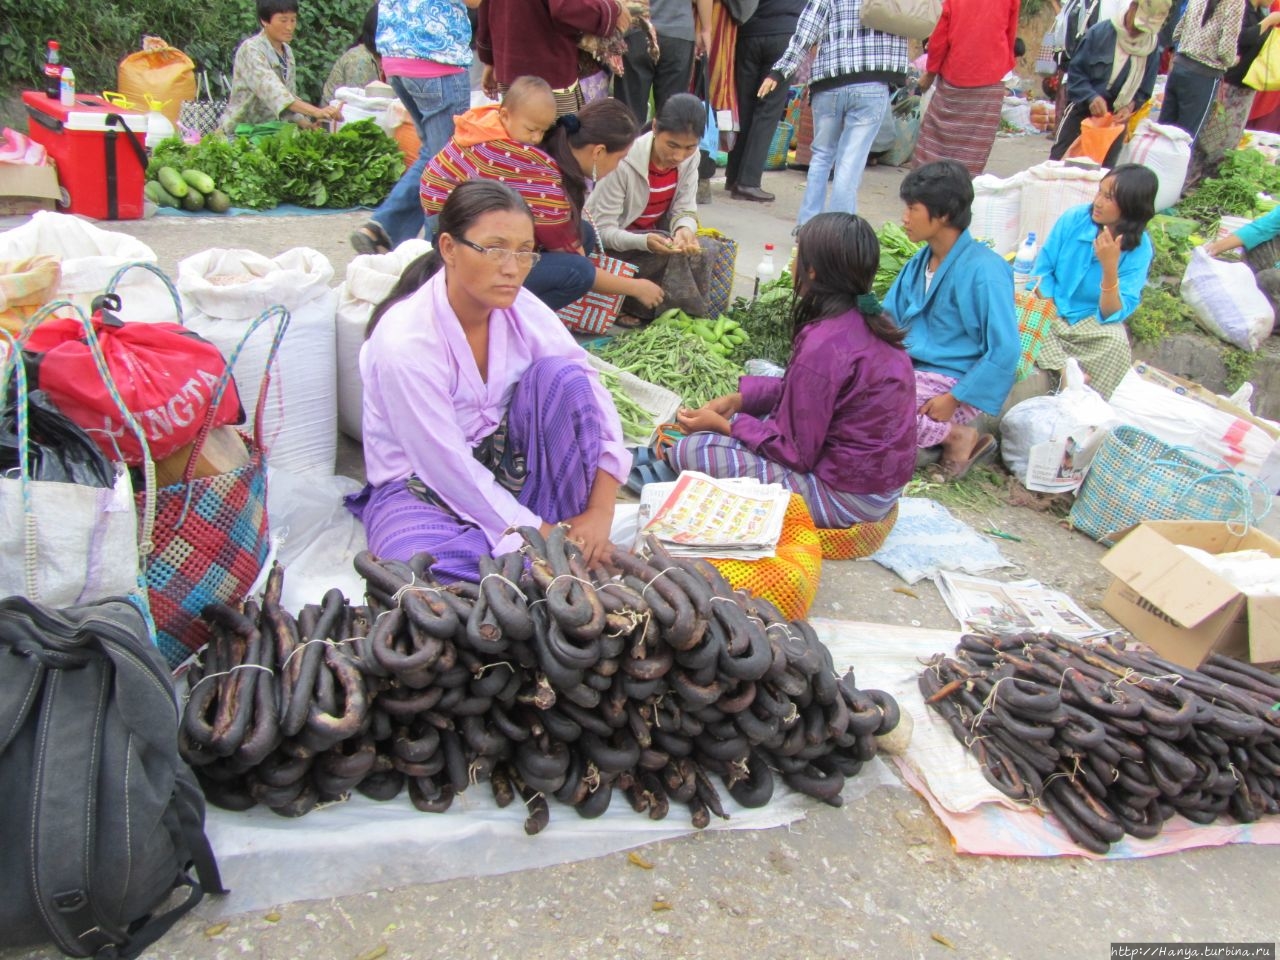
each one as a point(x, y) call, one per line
point(100, 820)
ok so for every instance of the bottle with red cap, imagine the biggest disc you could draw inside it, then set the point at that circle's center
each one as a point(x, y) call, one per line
point(53, 71)
point(765, 270)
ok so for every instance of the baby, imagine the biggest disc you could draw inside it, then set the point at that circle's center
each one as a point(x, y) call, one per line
point(527, 112)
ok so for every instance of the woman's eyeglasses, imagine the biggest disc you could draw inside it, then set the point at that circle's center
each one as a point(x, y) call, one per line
point(501, 256)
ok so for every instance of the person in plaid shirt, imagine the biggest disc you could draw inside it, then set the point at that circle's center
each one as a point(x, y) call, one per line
point(849, 93)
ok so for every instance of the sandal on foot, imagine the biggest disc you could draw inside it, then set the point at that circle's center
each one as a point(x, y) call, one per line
point(982, 451)
point(628, 322)
point(371, 239)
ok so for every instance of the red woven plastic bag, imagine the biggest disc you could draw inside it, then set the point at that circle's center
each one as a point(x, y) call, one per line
point(165, 373)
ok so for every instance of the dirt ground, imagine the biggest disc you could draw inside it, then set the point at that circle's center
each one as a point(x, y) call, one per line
point(877, 878)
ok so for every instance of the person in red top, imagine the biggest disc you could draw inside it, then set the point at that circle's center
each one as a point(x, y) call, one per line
point(539, 38)
point(970, 52)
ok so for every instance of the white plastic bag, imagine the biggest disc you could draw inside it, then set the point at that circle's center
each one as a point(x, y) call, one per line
point(997, 205)
point(1166, 151)
point(1050, 190)
point(358, 105)
point(368, 282)
point(223, 291)
point(1227, 301)
point(1048, 442)
point(89, 258)
point(1016, 111)
point(1183, 421)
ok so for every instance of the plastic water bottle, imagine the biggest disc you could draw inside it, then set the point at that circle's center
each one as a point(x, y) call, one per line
point(67, 87)
point(765, 270)
point(1024, 262)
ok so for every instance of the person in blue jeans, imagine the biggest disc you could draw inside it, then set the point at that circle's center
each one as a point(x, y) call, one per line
point(426, 50)
point(848, 92)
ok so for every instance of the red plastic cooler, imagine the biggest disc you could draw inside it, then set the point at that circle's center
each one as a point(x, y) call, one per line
point(99, 150)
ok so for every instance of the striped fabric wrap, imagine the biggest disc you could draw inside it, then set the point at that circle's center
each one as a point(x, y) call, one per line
point(960, 124)
point(528, 170)
point(722, 91)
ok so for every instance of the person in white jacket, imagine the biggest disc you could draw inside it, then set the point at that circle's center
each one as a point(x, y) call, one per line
point(646, 213)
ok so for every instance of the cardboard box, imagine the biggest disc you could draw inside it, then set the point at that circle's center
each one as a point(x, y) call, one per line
point(25, 188)
point(1179, 608)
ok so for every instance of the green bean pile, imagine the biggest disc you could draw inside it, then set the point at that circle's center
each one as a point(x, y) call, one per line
point(676, 360)
point(637, 423)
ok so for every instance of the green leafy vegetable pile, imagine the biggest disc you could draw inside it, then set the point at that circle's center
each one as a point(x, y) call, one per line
point(1162, 311)
point(896, 248)
point(357, 166)
point(679, 361)
point(1234, 191)
point(766, 321)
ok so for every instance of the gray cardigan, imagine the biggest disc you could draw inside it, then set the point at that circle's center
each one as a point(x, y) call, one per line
point(621, 197)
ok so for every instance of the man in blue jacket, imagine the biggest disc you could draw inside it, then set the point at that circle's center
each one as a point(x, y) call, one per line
point(955, 300)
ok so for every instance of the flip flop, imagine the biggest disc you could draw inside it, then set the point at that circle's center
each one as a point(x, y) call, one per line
point(370, 239)
point(983, 450)
point(647, 467)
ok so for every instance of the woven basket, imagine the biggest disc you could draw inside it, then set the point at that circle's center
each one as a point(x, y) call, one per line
point(1136, 477)
point(778, 147)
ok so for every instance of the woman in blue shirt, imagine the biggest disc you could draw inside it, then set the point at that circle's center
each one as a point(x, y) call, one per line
point(1260, 241)
point(1093, 267)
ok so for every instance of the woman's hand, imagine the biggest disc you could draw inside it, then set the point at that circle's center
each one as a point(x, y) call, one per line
point(1098, 106)
point(647, 292)
point(925, 81)
point(590, 531)
point(686, 241)
point(767, 86)
point(1122, 114)
point(659, 243)
point(702, 420)
point(727, 405)
point(1107, 249)
point(940, 408)
point(489, 82)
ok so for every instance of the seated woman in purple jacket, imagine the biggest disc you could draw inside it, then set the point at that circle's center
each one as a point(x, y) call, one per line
point(839, 427)
point(481, 412)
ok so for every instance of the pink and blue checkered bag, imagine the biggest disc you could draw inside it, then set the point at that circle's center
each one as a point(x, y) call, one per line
point(211, 534)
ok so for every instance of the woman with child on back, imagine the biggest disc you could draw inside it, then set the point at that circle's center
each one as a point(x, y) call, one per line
point(502, 144)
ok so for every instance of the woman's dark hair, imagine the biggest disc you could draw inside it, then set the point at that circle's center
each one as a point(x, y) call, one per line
point(269, 8)
point(467, 203)
point(608, 122)
point(682, 114)
point(942, 187)
point(842, 253)
point(368, 31)
point(1135, 192)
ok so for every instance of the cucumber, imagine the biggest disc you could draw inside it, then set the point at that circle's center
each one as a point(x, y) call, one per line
point(218, 202)
point(159, 195)
point(193, 201)
point(199, 179)
point(172, 181)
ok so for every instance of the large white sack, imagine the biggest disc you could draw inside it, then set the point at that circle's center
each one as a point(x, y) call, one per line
point(1166, 151)
point(997, 206)
point(368, 282)
point(90, 257)
point(1183, 421)
point(223, 291)
point(1226, 300)
point(1049, 190)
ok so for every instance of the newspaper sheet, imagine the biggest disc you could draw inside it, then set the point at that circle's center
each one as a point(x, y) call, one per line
point(1018, 605)
point(698, 515)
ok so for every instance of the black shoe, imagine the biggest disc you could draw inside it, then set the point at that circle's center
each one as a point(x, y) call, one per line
point(753, 193)
point(730, 186)
point(371, 239)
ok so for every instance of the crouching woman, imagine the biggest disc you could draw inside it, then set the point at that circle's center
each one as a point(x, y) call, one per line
point(838, 427)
